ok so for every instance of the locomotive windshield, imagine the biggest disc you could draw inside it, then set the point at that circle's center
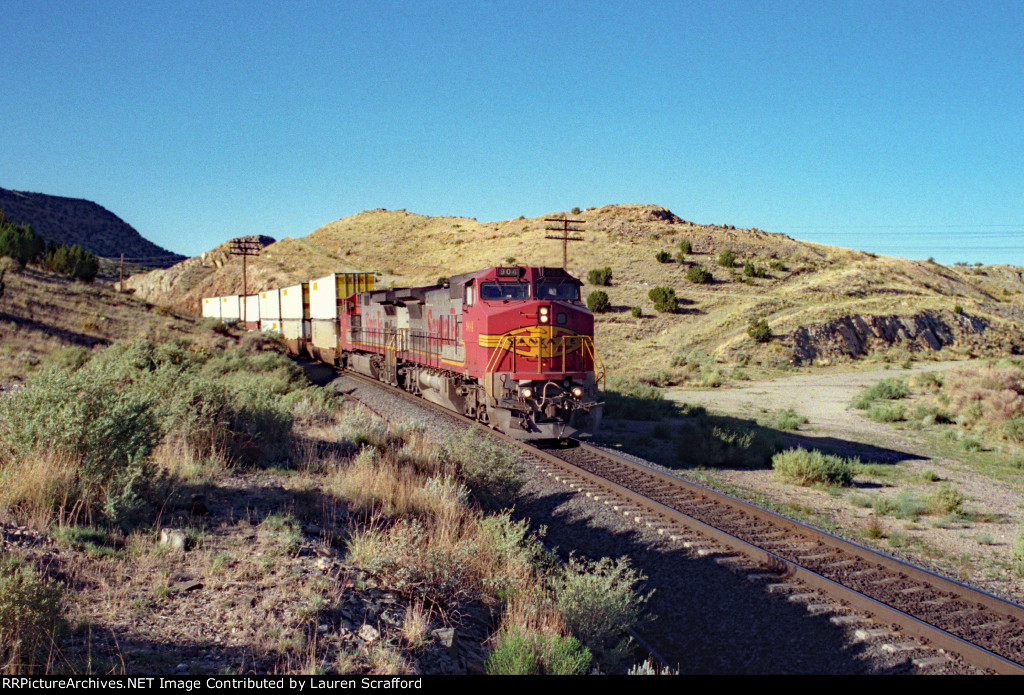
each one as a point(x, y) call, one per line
point(505, 290)
point(557, 290)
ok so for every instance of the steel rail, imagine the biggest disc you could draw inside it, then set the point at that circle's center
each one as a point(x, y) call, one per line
point(910, 625)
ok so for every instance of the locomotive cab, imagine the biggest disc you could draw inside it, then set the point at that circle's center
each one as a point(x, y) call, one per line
point(533, 350)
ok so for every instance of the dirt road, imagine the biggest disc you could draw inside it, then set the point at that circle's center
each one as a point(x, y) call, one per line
point(824, 398)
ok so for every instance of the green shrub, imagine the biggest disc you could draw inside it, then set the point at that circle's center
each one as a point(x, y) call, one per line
point(636, 312)
point(957, 309)
point(685, 247)
point(69, 357)
point(72, 261)
point(530, 653)
point(409, 560)
point(662, 430)
point(887, 389)
point(600, 276)
point(906, 505)
point(809, 467)
point(598, 302)
point(887, 412)
point(1014, 429)
point(929, 414)
point(20, 242)
point(599, 601)
point(663, 257)
point(698, 275)
point(707, 440)
point(490, 468)
point(947, 500)
point(29, 617)
point(103, 424)
point(788, 419)
point(752, 271)
point(778, 265)
point(972, 443)
point(516, 546)
point(633, 400)
point(759, 330)
point(727, 259)
point(664, 299)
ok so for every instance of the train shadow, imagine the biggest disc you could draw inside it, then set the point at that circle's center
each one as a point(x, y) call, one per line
point(678, 435)
point(707, 618)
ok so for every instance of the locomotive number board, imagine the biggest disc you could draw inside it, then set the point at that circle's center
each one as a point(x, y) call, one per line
point(508, 272)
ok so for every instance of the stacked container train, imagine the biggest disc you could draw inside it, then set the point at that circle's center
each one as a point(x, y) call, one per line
point(512, 347)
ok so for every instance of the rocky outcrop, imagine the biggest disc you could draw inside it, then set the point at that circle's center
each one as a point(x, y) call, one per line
point(855, 336)
point(185, 284)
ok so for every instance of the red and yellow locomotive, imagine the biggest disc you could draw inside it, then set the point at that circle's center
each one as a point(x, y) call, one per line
point(512, 347)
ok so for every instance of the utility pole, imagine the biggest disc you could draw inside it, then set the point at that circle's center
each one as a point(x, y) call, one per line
point(245, 248)
point(120, 275)
point(565, 238)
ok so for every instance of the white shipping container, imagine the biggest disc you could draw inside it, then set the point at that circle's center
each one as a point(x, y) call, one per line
point(323, 298)
point(291, 329)
point(291, 303)
point(211, 307)
point(325, 334)
point(230, 308)
point(252, 308)
point(270, 311)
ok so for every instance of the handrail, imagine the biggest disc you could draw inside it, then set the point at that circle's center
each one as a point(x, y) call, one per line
point(508, 344)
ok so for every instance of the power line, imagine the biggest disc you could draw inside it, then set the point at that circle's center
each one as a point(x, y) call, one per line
point(903, 226)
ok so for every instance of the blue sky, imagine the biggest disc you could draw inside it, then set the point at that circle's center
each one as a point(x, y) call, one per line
point(896, 127)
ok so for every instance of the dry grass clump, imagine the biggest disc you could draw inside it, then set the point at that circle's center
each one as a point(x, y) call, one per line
point(375, 483)
point(416, 625)
point(1017, 555)
point(987, 395)
point(29, 618)
point(36, 489)
point(424, 534)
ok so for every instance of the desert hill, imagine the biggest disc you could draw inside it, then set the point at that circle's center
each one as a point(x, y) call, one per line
point(821, 302)
point(83, 222)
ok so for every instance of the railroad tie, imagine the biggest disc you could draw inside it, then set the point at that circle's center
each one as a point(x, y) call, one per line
point(930, 662)
point(869, 634)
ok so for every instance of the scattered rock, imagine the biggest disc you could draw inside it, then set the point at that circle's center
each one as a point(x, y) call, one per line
point(368, 633)
point(446, 638)
point(175, 539)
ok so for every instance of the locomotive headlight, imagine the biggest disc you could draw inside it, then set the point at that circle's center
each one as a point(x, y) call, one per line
point(544, 318)
point(577, 392)
point(526, 392)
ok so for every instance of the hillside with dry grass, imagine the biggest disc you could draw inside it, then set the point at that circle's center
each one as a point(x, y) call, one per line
point(46, 319)
point(821, 303)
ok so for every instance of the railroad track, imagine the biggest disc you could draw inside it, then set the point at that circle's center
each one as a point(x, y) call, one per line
point(984, 630)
